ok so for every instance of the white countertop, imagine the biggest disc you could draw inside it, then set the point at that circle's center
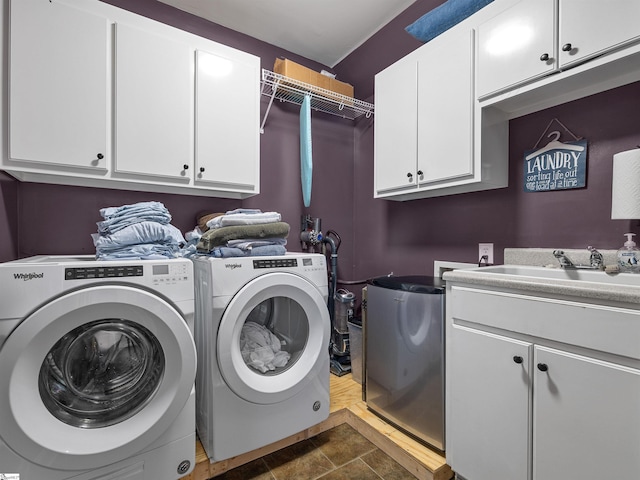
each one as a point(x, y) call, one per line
point(599, 292)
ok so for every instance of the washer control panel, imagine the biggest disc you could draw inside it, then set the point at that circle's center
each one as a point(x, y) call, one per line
point(157, 273)
point(307, 264)
point(275, 263)
point(118, 271)
point(169, 273)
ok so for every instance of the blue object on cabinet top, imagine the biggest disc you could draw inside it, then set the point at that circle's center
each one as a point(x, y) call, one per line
point(443, 17)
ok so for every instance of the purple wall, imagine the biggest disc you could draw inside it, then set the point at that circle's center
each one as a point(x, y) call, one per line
point(378, 236)
point(59, 220)
point(406, 237)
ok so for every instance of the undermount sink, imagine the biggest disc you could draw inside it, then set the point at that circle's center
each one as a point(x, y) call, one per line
point(523, 272)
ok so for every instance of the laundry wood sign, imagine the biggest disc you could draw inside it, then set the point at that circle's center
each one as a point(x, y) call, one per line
point(557, 166)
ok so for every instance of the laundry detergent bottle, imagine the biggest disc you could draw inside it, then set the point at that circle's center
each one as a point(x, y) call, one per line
point(629, 256)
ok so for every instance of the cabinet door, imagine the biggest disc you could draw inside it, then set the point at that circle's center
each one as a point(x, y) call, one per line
point(396, 120)
point(227, 121)
point(488, 425)
point(58, 91)
point(587, 418)
point(590, 27)
point(153, 105)
point(512, 46)
point(445, 109)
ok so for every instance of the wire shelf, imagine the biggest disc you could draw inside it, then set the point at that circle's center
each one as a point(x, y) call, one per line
point(289, 90)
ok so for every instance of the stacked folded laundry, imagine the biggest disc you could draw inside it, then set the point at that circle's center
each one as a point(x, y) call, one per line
point(242, 233)
point(138, 231)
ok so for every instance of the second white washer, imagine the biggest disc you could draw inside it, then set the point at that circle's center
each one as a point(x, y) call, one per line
point(243, 401)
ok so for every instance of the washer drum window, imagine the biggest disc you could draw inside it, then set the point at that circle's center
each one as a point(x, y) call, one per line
point(101, 373)
point(274, 335)
point(301, 320)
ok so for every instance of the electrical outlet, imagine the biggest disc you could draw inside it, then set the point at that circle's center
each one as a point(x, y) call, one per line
point(486, 249)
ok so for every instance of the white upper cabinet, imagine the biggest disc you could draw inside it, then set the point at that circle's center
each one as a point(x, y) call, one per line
point(153, 104)
point(395, 127)
point(424, 119)
point(101, 97)
point(445, 100)
point(592, 27)
point(426, 139)
point(443, 111)
point(517, 45)
point(535, 38)
point(227, 120)
point(58, 90)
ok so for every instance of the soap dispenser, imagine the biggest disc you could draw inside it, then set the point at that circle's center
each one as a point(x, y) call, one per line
point(629, 256)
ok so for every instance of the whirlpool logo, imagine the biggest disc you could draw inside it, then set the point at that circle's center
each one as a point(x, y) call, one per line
point(27, 276)
point(233, 266)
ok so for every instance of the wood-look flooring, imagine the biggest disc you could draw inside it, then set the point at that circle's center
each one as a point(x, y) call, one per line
point(346, 407)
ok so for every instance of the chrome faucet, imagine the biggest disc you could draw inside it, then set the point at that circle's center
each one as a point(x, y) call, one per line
point(563, 259)
point(596, 260)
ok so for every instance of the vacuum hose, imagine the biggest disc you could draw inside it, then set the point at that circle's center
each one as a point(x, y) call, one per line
point(334, 276)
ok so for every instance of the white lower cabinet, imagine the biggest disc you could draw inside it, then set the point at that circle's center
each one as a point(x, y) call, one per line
point(586, 417)
point(488, 432)
point(522, 407)
point(99, 96)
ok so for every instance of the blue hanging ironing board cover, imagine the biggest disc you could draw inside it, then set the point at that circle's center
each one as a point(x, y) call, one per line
point(306, 157)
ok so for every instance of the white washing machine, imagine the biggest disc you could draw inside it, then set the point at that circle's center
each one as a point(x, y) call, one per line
point(243, 401)
point(97, 369)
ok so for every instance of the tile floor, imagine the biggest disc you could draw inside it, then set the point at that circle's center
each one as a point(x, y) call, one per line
point(337, 454)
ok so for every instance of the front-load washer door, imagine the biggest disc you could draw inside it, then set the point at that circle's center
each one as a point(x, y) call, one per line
point(94, 376)
point(273, 338)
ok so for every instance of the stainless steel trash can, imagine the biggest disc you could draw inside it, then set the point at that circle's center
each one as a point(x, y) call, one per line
point(404, 372)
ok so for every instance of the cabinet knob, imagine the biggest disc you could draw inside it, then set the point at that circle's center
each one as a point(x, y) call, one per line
point(518, 359)
point(544, 57)
point(185, 167)
point(420, 172)
point(409, 175)
point(100, 156)
point(567, 47)
point(543, 367)
point(201, 169)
